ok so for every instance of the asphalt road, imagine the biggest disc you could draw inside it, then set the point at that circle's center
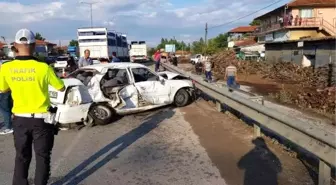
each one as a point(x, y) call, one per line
point(193, 145)
point(150, 148)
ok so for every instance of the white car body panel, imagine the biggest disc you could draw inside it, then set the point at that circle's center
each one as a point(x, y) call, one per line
point(132, 98)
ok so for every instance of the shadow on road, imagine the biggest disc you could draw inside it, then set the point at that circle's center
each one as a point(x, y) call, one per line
point(82, 171)
point(260, 164)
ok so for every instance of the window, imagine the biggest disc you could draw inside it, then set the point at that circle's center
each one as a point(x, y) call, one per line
point(91, 40)
point(119, 44)
point(306, 13)
point(119, 74)
point(143, 74)
point(111, 42)
point(111, 34)
point(91, 33)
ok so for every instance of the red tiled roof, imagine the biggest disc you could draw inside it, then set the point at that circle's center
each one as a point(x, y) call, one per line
point(312, 3)
point(243, 29)
point(302, 3)
point(41, 42)
point(244, 42)
point(1, 45)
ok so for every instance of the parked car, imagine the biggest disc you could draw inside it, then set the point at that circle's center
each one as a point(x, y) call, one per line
point(61, 62)
point(195, 58)
point(95, 94)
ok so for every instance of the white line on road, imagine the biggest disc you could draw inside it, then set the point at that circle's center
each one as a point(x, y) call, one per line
point(69, 149)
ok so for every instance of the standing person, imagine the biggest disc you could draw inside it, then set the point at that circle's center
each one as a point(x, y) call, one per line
point(115, 58)
point(174, 60)
point(28, 80)
point(72, 66)
point(157, 61)
point(207, 68)
point(156, 54)
point(86, 60)
point(6, 104)
point(231, 75)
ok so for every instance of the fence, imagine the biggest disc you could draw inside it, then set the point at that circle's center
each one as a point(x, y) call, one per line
point(318, 142)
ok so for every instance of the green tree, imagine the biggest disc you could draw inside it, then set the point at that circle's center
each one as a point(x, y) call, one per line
point(198, 46)
point(221, 41)
point(151, 52)
point(38, 36)
point(73, 43)
point(179, 45)
point(255, 23)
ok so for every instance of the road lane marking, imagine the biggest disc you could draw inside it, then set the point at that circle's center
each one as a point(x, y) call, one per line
point(69, 149)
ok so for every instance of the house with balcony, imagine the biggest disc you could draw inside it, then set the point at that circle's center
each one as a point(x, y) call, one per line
point(301, 31)
point(240, 34)
point(297, 20)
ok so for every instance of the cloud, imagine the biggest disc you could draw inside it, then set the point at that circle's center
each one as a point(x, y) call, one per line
point(148, 20)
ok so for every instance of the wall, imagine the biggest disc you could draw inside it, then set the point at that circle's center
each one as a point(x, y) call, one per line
point(323, 52)
point(328, 14)
point(296, 34)
point(277, 36)
point(235, 36)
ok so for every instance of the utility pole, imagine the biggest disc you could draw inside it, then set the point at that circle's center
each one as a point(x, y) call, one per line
point(205, 38)
point(90, 4)
point(206, 34)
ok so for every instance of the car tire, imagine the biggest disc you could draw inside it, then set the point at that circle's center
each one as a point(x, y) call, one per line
point(102, 114)
point(182, 98)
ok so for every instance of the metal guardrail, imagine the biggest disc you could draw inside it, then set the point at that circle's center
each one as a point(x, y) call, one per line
point(313, 139)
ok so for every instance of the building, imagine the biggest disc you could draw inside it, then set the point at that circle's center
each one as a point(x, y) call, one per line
point(238, 34)
point(298, 19)
point(314, 52)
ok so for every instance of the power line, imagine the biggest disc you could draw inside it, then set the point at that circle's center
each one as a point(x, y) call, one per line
point(246, 15)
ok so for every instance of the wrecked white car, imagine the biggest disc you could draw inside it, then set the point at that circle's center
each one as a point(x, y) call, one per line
point(96, 93)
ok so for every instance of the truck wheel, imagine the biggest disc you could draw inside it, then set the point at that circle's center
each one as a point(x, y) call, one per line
point(102, 114)
point(181, 98)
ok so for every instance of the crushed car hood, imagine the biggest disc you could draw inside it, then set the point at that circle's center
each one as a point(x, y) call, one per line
point(171, 76)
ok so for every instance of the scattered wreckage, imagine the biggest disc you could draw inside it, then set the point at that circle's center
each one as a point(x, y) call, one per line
point(96, 94)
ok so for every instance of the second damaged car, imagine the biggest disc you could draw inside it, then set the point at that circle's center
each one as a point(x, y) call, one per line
point(95, 94)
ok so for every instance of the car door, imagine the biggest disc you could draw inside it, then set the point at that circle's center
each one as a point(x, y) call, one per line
point(150, 86)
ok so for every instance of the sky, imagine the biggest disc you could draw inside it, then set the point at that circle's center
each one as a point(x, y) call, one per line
point(148, 20)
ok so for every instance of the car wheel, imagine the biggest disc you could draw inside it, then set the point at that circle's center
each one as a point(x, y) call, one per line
point(181, 98)
point(101, 114)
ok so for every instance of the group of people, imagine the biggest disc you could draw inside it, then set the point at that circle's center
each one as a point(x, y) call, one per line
point(230, 75)
point(86, 60)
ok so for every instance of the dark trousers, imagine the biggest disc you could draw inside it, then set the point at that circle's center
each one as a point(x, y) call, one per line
point(29, 131)
point(157, 66)
point(208, 76)
point(6, 104)
point(231, 81)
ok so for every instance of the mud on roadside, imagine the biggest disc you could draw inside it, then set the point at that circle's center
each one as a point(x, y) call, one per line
point(228, 143)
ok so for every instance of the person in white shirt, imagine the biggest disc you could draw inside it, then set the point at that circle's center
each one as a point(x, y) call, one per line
point(231, 75)
point(207, 68)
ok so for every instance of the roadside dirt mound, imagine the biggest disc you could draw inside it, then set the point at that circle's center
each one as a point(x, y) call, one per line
point(305, 87)
point(224, 58)
point(183, 60)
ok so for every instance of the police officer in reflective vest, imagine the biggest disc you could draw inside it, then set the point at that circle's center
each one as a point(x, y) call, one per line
point(28, 80)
